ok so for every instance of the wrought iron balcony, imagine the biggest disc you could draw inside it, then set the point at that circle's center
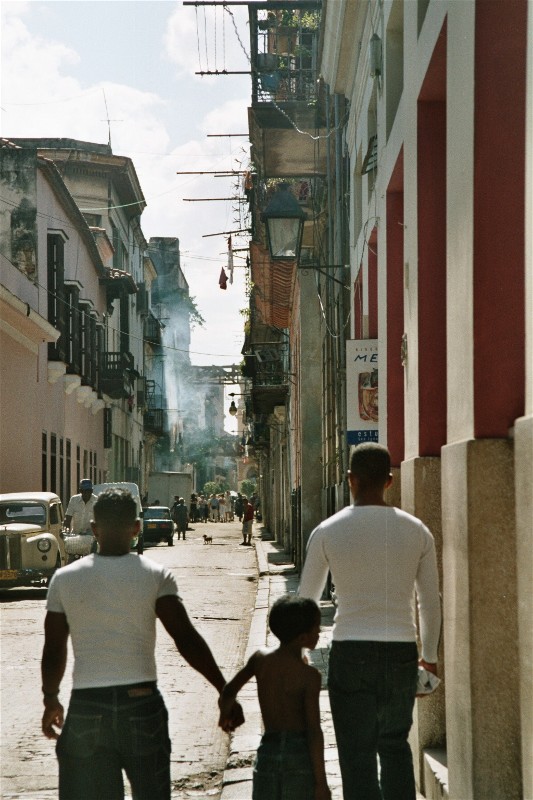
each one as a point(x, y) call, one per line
point(114, 375)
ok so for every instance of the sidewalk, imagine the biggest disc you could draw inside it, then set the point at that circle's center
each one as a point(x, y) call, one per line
point(277, 576)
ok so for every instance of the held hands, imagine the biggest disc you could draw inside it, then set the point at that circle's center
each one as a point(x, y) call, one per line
point(53, 716)
point(231, 714)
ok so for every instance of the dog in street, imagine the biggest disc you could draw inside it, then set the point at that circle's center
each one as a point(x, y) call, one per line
point(208, 539)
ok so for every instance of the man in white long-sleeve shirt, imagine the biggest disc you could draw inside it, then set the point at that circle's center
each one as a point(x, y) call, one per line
point(378, 556)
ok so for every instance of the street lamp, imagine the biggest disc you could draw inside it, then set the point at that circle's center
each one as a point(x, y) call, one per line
point(284, 220)
point(233, 410)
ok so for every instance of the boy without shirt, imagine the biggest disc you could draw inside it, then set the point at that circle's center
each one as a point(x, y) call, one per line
point(290, 758)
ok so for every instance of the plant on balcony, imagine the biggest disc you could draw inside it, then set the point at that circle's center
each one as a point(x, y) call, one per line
point(188, 303)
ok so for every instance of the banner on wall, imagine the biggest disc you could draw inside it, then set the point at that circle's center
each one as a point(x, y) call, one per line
point(362, 390)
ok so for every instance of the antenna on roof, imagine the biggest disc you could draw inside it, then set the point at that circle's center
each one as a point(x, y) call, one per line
point(108, 120)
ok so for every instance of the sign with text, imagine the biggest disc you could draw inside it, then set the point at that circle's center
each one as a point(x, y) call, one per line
point(362, 390)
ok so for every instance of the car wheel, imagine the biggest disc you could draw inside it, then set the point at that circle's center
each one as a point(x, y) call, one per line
point(140, 546)
point(170, 541)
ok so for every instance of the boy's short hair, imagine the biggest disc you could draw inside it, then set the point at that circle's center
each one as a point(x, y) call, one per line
point(292, 615)
point(115, 507)
point(370, 464)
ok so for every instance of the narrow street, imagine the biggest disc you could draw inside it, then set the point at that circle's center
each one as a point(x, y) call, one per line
point(218, 585)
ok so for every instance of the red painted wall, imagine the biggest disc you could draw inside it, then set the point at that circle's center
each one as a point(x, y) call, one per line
point(395, 322)
point(431, 277)
point(499, 175)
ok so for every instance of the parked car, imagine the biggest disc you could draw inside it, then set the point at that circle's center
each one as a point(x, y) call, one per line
point(158, 525)
point(138, 542)
point(31, 544)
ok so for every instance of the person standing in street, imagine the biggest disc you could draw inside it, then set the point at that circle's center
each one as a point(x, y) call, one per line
point(181, 518)
point(290, 758)
point(247, 521)
point(117, 720)
point(378, 556)
point(79, 514)
point(239, 506)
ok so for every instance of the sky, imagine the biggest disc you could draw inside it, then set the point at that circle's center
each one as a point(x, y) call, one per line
point(94, 69)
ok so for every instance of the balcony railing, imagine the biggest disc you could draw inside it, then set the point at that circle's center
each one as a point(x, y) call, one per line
point(152, 330)
point(114, 378)
point(154, 421)
point(284, 54)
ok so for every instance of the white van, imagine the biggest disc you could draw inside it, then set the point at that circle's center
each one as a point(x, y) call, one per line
point(138, 543)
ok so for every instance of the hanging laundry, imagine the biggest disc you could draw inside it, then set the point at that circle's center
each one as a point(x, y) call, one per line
point(223, 280)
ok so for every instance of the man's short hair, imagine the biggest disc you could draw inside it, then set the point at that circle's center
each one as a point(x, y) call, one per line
point(115, 507)
point(370, 464)
point(292, 615)
point(86, 485)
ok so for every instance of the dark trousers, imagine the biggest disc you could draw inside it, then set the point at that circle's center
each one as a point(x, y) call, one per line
point(112, 729)
point(283, 768)
point(372, 689)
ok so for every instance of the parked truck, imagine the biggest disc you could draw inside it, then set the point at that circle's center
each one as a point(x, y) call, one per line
point(163, 486)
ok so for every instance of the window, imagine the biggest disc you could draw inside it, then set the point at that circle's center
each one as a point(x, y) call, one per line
point(61, 466)
point(72, 294)
point(57, 307)
point(44, 461)
point(53, 462)
point(68, 491)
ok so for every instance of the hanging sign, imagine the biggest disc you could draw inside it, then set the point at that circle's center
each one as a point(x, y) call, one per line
point(362, 390)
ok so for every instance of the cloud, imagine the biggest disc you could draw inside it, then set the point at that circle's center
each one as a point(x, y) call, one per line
point(42, 98)
point(205, 40)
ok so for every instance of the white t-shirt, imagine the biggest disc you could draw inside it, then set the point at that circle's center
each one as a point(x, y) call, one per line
point(377, 555)
point(109, 603)
point(81, 512)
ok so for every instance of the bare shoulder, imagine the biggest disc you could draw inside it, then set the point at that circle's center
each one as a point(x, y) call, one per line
point(311, 675)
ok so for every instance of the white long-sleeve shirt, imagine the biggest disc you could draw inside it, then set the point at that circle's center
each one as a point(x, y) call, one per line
point(378, 556)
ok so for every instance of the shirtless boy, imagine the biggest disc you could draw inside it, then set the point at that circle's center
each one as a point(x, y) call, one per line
point(290, 758)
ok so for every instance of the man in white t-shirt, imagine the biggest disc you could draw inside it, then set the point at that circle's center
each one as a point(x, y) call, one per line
point(378, 557)
point(79, 513)
point(117, 720)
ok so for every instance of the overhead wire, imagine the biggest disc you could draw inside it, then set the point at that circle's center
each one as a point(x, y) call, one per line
point(118, 331)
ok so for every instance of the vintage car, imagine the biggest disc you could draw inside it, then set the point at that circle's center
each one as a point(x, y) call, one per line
point(31, 545)
point(158, 525)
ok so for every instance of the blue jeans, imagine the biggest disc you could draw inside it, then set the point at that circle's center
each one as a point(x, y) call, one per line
point(111, 729)
point(372, 689)
point(283, 768)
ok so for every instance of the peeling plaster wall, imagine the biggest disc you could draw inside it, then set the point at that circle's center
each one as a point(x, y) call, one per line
point(18, 216)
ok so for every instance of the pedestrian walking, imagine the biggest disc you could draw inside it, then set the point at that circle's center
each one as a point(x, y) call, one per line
point(228, 506)
point(239, 506)
point(193, 508)
point(201, 509)
point(213, 506)
point(290, 758)
point(108, 603)
point(222, 508)
point(181, 518)
point(247, 521)
point(79, 514)
point(377, 555)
